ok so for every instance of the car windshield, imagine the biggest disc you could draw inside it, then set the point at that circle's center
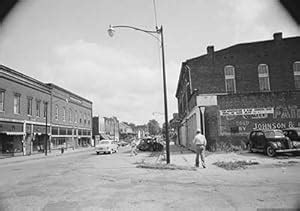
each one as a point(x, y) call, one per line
point(273, 134)
point(104, 142)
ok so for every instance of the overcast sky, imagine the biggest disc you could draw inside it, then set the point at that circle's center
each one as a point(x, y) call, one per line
point(66, 42)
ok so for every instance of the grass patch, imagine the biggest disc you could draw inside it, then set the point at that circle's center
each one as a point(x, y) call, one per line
point(234, 165)
point(161, 166)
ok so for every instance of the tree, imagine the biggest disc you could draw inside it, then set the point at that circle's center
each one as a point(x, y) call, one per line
point(153, 127)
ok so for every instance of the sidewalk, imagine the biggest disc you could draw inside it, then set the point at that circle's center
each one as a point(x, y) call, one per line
point(39, 156)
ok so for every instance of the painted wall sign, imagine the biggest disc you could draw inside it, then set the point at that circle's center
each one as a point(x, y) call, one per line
point(242, 121)
point(246, 111)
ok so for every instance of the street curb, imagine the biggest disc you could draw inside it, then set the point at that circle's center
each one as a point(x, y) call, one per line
point(7, 161)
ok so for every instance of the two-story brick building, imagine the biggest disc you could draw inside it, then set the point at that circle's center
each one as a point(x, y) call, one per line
point(229, 92)
point(32, 112)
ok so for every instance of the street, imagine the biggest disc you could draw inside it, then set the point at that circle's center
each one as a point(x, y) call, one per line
point(85, 180)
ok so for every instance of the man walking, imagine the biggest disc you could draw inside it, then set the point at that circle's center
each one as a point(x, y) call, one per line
point(200, 142)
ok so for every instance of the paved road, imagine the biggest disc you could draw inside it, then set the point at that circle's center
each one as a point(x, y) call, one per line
point(112, 182)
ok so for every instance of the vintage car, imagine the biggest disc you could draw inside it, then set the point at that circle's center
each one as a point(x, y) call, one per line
point(107, 146)
point(271, 142)
point(150, 144)
point(294, 135)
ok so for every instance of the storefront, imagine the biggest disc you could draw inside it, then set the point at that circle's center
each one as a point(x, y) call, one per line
point(11, 139)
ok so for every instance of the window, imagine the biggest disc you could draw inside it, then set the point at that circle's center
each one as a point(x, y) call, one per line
point(84, 118)
point(263, 77)
point(64, 114)
point(229, 79)
point(76, 116)
point(296, 68)
point(80, 120)
point(56, 112)
point(70, 115)
point(2, 100)
point(17, 103)
point(38, 108)
point(45, 109)
point(29, 106)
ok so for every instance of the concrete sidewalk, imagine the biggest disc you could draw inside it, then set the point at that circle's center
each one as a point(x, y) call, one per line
point(39, 156)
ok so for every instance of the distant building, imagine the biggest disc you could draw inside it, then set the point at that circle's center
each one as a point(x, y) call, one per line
point(105, 128)
point(27, 106)
point(229, 92)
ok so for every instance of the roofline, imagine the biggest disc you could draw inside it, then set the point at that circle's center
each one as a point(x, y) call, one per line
point(23, 76)
point(51, 85)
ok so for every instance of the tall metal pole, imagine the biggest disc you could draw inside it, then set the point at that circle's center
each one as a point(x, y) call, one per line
point(46, 137)
point(165, 96)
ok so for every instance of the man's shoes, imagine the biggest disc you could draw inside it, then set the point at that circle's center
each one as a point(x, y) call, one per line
point(197, 165)
point(204, 167)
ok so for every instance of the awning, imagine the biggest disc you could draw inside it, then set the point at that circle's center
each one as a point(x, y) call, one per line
point(13, 133)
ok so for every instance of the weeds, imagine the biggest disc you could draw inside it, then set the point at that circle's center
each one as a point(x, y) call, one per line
point(234, 165)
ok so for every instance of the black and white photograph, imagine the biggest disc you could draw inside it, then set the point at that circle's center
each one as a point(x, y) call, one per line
point(149, 105)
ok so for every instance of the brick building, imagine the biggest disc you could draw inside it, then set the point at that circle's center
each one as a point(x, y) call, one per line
point(229, 92)
point(32, 112)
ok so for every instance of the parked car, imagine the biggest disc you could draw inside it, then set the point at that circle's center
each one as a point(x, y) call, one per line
point(150, 144)
point(122, 143)
point(294, 135)
point(271, 142)
point(107, 146)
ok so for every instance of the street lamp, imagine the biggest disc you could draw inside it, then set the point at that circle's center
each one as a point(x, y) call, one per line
point(159, 31)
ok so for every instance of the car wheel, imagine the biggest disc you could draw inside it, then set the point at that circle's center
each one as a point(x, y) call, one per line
point(270, 151)
point(250, 147)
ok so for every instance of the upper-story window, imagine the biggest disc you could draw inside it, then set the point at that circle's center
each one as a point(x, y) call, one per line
point(263, 77)
point(80, 118)
point(296, 68)
point(70, 115)
point(64, 114)
point(75, 116)
point(17, 103)
point(29, 106)
point(45, 109)
point(56, 112)
point(2, 92)
point(229, 79)
point(38, 108)
point(84, 116)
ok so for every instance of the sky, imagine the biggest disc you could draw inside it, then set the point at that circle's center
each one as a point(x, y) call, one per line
point(66, 42)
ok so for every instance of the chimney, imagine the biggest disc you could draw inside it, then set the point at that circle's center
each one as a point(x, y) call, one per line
point(210, 50)
point(277, 36)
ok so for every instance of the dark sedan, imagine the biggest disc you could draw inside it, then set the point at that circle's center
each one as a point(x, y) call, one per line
point(271, 142)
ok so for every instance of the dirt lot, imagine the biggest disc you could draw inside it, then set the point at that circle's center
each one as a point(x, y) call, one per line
point(85, 181)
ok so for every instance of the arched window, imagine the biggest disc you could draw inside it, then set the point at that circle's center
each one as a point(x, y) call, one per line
point(229, 79)
point(296, 68)
point(263, 77)
point(56, 112)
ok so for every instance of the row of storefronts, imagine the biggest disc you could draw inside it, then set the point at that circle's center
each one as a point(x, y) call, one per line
point(35, 115)
point(25, 139)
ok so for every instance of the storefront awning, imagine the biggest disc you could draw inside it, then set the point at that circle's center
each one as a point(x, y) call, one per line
point(13, 133)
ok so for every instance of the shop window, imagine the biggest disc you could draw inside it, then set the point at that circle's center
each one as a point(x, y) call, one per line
point(296, 68)
point(38, 108)
point(17, 103)
point(263, 77)
point(2, 95)
point(229, 79)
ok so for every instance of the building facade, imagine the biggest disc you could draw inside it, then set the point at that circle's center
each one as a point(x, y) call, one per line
point(228, 93)
point(27, 119)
